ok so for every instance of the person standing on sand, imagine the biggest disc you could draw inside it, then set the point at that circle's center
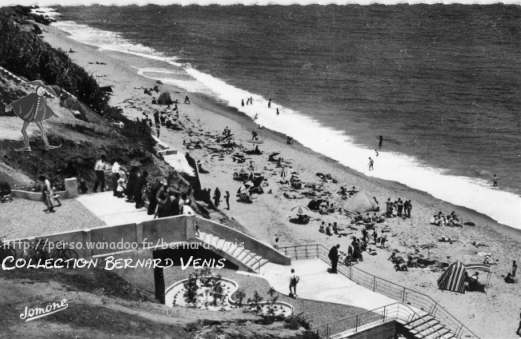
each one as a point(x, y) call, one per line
point(380, 141)
point(514, 268)
point(278, 112)
point(242, 102)
point(216, 197)
point(269, 103)
point(283, 171)
point(293, 281)
point(333, 257)
point(494, 181)
point(187, 100)
point(371, 164)
point(227, 198)
point(99, 170)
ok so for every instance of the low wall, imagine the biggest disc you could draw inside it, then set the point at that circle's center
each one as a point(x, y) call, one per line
point(385, 331)
point(71, 191)
point(252, 244)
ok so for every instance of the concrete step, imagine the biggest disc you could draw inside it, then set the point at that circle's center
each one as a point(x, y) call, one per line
point(255, 258)
point(425, 326)
point(438, 333)
point(432, 330)
point(245, 253)
point(418, 322)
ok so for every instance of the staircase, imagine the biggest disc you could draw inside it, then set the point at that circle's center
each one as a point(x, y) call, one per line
point(427, 327)
point(233, 251)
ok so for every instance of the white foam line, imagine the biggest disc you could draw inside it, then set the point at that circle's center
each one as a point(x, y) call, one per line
point(472, 193)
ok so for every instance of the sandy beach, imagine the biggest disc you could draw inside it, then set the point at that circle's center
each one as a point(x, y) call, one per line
point(493, 314)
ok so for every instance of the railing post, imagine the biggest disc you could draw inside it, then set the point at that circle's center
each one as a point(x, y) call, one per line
point(317, 251)
point(403, 295)
point(356, 324)
point(306, 250)
point(374, 283)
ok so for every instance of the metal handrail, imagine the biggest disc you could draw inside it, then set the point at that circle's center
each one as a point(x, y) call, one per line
point(391, 312)
point(407, 295)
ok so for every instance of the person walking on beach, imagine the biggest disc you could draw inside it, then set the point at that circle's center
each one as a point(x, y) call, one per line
point(371, 164)
point(278, 112)
point(269, 103)
point(293, 281)
point(227, 198)
point(514, 268)
point(216, 197)
point(333, 257)
point(380, 141)
point(494, 181)
point(242, 102)
point(99, 170)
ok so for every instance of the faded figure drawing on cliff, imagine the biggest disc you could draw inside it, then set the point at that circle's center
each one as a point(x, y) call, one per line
point(33, 108)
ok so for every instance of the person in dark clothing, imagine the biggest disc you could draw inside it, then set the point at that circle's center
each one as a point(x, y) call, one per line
point(333, 257)
point(138, 189)
point(131, 184)
point(380, 141)
point(162, 203)
point(216, 197)
point(399, 207)
point(152, 197)
point(173, 206)
point(227, 198)
point(187, 100)
point(514, 268)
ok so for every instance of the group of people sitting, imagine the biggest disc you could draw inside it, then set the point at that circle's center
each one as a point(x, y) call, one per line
point(451, 219)
point(398, 208)
point(344, 192)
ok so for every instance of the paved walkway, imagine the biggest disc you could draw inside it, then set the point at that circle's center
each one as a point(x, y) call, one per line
point(112, 210)
point(316, 284)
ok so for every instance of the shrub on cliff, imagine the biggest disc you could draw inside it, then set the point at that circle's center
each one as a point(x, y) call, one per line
point(26, 54)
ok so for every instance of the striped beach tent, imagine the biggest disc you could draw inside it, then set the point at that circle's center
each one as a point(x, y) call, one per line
point(453, 279)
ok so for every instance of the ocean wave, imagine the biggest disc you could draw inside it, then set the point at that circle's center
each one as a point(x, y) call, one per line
point(469, 192)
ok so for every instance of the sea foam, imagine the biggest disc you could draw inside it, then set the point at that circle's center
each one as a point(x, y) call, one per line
point(469, 192)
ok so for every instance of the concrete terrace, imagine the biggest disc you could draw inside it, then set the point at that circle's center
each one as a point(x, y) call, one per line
point(317, 284)
point(112, 210)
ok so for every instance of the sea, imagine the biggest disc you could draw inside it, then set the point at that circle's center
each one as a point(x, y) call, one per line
point(440, 83)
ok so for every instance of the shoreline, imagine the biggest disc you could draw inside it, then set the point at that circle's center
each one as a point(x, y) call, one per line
point(390, 165)
point(275, 210)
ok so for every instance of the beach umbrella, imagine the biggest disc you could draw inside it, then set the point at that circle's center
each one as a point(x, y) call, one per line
point(453, 279)
point(360, 202)
point(301, 210)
